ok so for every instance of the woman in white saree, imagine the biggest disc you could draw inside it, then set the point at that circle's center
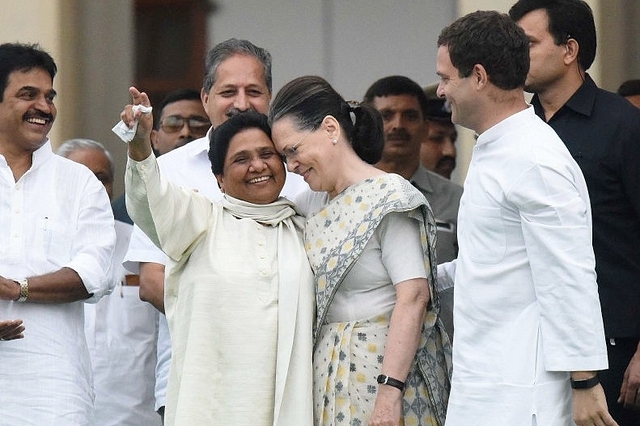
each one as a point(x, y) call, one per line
point(381, 355)
point(238, 291)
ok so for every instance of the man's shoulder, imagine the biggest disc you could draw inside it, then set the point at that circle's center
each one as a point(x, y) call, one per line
point(185, 153)
point(426, 178)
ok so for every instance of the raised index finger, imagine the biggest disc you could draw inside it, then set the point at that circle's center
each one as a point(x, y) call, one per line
point(139, 98)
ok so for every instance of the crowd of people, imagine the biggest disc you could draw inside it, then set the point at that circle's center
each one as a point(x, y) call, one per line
point(300, 259)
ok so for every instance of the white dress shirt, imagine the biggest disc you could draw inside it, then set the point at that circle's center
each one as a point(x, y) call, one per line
point(57, 215)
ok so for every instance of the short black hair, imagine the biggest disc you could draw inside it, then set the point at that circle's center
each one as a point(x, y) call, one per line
point(567, 19)
point(395, 85)
point(23, 57)
point(221, 136)
point(629, 88)
point(490, 39)
point(175, 96)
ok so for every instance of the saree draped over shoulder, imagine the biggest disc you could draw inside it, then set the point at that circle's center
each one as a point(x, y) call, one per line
point(348, 355)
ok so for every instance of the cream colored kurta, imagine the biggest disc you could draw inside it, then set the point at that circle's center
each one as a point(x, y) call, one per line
point(240, 320)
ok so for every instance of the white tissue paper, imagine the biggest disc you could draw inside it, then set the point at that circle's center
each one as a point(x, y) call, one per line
point(123, 131)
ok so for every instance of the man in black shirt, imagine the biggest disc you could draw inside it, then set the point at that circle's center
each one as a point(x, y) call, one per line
point(602, 132)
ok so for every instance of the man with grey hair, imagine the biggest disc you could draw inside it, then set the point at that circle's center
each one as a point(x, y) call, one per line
point(237, 78)
point(120, 329)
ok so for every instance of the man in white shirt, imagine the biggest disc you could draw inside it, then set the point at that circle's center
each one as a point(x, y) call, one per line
point(237, 78)
point(57, 238)
point(121, 330)
point(527, 315)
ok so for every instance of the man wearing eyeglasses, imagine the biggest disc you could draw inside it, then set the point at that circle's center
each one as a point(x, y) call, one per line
point(182, 119)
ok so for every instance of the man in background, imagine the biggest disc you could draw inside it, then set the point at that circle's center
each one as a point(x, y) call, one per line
point(403, 107)
point(121, 330)
point(602, 132)
point(630, 89)
point(438, 149)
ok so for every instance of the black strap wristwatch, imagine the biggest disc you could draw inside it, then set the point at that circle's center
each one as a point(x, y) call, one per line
point(586, 383)
point(386, 380)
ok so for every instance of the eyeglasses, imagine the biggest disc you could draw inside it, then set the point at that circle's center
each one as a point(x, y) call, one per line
point(174, 123)
point(292, 152)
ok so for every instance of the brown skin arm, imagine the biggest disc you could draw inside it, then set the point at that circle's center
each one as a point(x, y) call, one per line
point(140, 146)
point(152, 284)
point(62, 286)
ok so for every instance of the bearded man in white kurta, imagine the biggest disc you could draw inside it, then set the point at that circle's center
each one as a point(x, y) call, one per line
point(526, 313)
point(239, 289)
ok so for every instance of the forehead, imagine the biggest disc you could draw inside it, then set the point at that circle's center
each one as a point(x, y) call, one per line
point(283, 131)
point(35, 77)
point(241, 70)
point(94, 159)
point(184, 108)
point(404, 102)
point(443, 61)
point(440, 127)
point(248, 140)
point(535, 23)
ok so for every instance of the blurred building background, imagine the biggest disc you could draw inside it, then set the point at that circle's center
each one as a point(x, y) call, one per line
point(102, 47)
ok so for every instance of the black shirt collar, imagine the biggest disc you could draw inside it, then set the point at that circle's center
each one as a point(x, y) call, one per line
point(582, 101)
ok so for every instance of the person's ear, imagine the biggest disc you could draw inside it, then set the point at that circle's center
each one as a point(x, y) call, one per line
point(331, 127)
point(204, 97)
point(220, 180)
point(480, 76)
point(154, 139)
point(572, 49)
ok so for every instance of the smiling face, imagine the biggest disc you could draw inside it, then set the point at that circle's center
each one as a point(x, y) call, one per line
point(253, 170)
point(303, 150)
point(27, 111)
point(240, 85)
point(459, 91)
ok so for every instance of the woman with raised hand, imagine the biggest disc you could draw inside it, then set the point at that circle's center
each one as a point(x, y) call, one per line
point(239, 290)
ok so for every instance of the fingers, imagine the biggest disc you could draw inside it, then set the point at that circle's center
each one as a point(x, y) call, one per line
point(629, 391)
point(10, 330)
point(139, 98)
point(128, 115)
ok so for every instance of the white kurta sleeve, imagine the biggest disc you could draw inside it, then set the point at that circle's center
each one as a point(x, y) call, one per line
point(172, 217)
point(556, 226)
point(94, 241)
point(446, 275)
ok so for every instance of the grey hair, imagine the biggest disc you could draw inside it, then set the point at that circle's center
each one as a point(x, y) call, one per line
point(72, 145)
point(223, 51)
